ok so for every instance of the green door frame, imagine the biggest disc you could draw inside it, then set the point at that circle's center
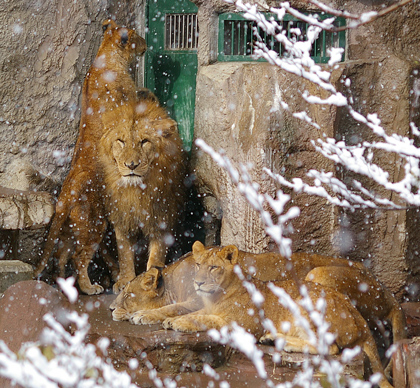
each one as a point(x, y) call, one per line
point(171, 60)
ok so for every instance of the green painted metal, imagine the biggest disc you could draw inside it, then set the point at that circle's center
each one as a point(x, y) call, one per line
point(236, 37)
point(171, 63)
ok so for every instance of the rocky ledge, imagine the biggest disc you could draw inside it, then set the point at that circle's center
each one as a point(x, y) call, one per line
point(172, 354)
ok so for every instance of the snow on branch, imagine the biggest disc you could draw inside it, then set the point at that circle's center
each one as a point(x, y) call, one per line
point(296, 59)
point(61, 359)
point(257, 200)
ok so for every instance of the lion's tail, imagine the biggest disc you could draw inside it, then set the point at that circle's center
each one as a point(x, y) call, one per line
point(369, 347)
point(53, 234)
point(69, 192)
point(396, 317)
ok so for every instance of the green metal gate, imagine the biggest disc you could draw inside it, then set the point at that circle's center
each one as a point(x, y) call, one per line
point(171, 60)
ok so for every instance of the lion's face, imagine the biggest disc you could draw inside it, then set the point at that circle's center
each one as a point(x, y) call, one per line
point(136, 144)
point(214, 269)
point(125, 40)
point(141, 293)
point(134, 153)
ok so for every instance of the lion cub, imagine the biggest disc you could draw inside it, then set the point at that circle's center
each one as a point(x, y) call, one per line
point(79, 222)
point(226, 300)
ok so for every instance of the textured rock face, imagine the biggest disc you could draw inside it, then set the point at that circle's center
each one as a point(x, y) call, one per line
point(237, 111)
point(45, 51)
point(247, 122)
point(13, 271)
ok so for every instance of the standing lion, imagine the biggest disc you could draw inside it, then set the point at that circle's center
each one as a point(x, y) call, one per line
point(79, 222)
point(143, 167)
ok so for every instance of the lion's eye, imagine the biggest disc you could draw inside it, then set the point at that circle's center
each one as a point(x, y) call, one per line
point(197, 266)
point(144, 141)
point(212, 267)
point(121, 143)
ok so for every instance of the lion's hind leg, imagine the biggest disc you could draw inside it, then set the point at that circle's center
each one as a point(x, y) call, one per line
point(64, 252)
point(82, 257)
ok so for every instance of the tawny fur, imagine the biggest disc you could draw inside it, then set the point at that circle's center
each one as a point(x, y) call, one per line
point(156, 295)
point(373, 300)
point(79, 222)
point(143, 170)
point(226, 300)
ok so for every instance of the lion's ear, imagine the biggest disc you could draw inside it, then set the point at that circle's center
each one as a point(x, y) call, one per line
point(198, 247)
point(151, 279)
point(230, 253)
point(123, 33)
point(109, 23)
point(169, 128)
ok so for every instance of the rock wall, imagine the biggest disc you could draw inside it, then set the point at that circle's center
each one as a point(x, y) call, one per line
point(243, 100)
point(47, 46)
point(380, 60)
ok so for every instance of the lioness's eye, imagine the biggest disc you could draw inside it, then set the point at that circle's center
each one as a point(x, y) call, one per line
point(120, 142)
point(144, 141)
point(197, 266)
point(212, 267)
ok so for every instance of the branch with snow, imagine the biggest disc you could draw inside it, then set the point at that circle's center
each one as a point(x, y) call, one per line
point(354, 158)
point(258, 201)
point(60, 359)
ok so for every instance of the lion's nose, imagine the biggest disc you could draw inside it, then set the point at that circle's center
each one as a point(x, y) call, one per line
point(132, 165)
point(199, 284)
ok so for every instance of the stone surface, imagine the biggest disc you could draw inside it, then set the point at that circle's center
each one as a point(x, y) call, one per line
point(22, 307)
point(25, 209)
point(173, 353)
point(412, 315)
point(406, 361)
point(13, 271)
point(248, 123)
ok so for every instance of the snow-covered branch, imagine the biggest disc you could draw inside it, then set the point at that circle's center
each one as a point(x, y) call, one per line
point(359, 159)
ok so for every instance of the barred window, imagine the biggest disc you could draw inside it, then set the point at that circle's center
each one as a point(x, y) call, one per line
point(181, 31)
point(237, 38)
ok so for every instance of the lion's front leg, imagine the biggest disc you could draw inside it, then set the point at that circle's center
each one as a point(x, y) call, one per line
point(192, 323)
point(125, 260)
point(157, 253)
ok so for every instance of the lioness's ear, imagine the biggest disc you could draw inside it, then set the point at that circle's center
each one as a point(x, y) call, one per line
point(198, 247)
point(123, 32)
point(230, 253)
point(109, 23)
point(151, 279)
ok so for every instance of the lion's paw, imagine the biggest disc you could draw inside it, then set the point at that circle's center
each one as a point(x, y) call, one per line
point(167, 323)
point(179, 324)
point(144, 317)
point(120, 314)
point(267, 339)
point(93, 289)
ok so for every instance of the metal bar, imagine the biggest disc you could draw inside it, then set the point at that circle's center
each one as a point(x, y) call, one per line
point(171, 27)
point(178, 32)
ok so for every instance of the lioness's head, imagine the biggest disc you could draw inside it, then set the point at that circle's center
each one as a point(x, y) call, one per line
point(141, 143)
point(213, 268)
point(143, 292)
point(121, 39)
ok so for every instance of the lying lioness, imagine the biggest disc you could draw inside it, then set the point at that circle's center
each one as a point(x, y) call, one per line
point(143, 298)
point(226, 300)
point(154, 296)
